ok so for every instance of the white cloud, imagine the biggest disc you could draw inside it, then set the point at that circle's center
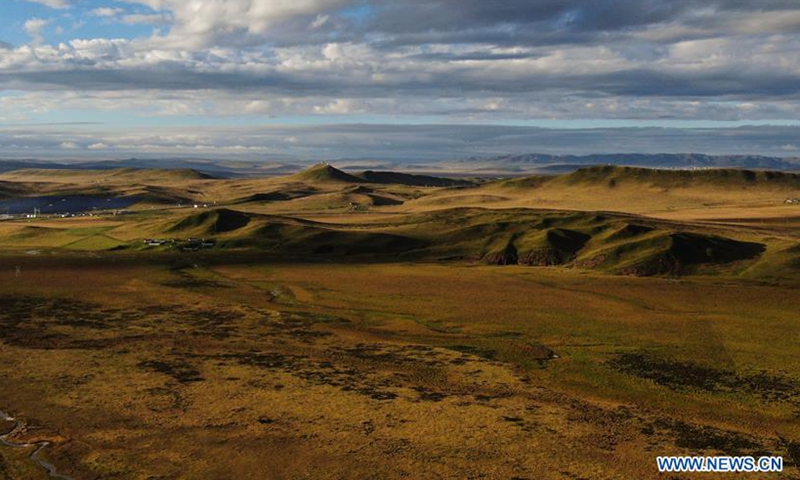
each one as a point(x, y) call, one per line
point(52, 3)
point(320, 21)
point(106, 12)
point(34, 26)
point(145, 19)
point(466, 63)
point(208, 22)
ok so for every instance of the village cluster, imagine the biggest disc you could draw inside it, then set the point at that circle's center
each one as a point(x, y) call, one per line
point(188, 245)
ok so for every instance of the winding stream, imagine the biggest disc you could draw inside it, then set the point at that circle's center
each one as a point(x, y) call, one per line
point(36, 446)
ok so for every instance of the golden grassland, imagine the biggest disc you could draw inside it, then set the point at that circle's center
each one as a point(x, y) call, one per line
point(300, 346)
point(330, 371)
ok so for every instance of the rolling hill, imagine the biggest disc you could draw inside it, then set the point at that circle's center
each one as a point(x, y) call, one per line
point(661, 160)
point(118, 175)
point(618, 220)
point(324, 173)
point(398, 178)
point(716, 177)
point(611, 243)
point(613, 176)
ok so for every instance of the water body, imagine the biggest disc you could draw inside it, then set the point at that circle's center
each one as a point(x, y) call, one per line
point(64, 204)
point(37, 447)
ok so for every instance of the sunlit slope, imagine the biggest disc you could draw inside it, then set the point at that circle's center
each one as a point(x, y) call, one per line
point(116, 175)
point(679, 194)
point(617, 220)
point(606, 242)
point(150, 186)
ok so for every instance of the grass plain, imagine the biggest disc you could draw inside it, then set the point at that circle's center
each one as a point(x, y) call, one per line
point(565, 327)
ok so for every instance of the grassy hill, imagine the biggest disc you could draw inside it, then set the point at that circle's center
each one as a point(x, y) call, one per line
point(717, 177)
point(118, 175)
point(711, 194)
point(610, 219)
point(611, 243)
point(397, 178)
point(211, 222)
point(324, 173)
point(11, 189)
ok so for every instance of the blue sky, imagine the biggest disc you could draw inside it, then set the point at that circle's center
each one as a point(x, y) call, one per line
point(67, 24)
point(89, 78)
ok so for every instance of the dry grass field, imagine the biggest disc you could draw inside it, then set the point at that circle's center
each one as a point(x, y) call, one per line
point(386, 326)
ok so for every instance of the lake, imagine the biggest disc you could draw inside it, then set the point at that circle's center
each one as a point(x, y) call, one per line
point(64, 204)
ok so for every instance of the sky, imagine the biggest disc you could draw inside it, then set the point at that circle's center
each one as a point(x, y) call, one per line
point(410, 79)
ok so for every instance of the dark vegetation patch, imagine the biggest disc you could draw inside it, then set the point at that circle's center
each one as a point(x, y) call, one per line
point(793, 449)
point(266, 360)
point(37, 322)
point(28, 321)
point(372, 370)
point(164, 399)
point(681, 376)
point(482, 352)
point(25, 309)
point(701, 438)
point(346, 378)
point(427, 395)
point(418, 355)
point(213, 322)
point(5, 474)
point(189, 281)
point(299, 326)
point(178, 369)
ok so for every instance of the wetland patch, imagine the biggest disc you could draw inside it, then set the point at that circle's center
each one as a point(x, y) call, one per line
point(679, 375)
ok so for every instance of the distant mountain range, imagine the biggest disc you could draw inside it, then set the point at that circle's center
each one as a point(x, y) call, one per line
point(560, 163)
point(511, 165)
point(215, 168)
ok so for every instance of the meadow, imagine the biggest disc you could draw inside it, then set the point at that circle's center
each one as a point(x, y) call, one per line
point(329, 332)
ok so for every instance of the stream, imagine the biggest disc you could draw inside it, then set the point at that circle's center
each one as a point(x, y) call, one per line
point(36, 446)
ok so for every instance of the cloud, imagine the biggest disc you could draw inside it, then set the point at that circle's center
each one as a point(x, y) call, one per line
point(145, 19)
point(416, 143)
point(53, 3)
point(213, 22)
point(457, 61)
point(33, 27)
point(106, 12)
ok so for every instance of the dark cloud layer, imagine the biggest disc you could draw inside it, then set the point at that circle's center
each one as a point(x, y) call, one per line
point(412, 143)
point(460, 61)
